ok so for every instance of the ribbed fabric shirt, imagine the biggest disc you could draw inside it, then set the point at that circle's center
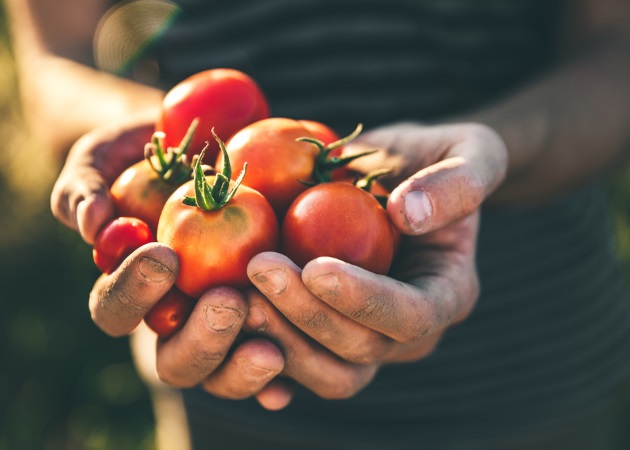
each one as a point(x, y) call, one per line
point(549, 338)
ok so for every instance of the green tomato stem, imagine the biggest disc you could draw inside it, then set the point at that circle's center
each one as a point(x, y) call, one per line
point(216, 196)
point(324, 164)
point(171, 163)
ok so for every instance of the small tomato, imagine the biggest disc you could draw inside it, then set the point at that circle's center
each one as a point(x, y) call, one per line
point(169, 314)
point(117, 240)
point(143, 188)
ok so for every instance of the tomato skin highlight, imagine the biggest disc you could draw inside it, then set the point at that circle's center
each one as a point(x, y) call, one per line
point(277, 163)
point(119, 239)
point(140, 192)
point(214, 247)
point(224, 99)
point(339, 220)
point(170, 314)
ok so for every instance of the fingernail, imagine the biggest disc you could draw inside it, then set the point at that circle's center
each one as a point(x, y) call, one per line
point(326, 285)
point(221, 318)
point(257, 319)
point(273, 281)
point(418, 209)
point(153, 270)
point(255, 372)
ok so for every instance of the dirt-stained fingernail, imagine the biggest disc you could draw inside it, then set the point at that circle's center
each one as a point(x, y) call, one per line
point(273, 281)
point(325, 285)
point(418, 209)
point(153, 270)
point(221, 318)
point(255, 373)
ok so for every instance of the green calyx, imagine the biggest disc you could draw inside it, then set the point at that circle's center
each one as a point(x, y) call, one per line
point(325, 164)
point(170, 163)
point(367, 182)
point(216, 196)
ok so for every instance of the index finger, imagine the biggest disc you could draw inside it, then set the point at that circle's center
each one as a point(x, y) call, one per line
point(80, 198)
point(401, 311)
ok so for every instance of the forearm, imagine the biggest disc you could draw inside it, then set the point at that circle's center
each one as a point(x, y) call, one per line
point(63, 95)
point(64, 99)
point(566, 129)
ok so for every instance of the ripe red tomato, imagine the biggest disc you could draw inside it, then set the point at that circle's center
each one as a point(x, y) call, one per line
point(216, 230)
point(142, 189)
point(117, 240)
point(223, 99)
point(340, 220)
point(169, 314)
point(278, 164)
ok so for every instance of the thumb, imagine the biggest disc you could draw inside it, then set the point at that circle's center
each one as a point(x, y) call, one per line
point(453, 187)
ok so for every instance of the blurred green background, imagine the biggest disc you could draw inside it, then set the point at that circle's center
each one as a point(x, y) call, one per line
point(63, 383)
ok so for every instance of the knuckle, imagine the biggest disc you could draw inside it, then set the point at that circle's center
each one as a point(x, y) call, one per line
point(120, 302)
point(114, 310)
point(375, 306)
point(317, 321)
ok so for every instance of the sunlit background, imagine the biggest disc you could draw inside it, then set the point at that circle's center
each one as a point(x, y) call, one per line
point(64, 384)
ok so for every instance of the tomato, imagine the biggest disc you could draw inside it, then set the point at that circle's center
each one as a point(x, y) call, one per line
point(218, 227)
point(117, 240)
point(142, 189)
point(169, 314)
point(223, 99)
point(340, 220)
point(322, 132)
point(278, 164)
point(285, 158)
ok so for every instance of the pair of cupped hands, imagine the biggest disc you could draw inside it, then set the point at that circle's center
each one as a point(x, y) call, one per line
point(328, 326)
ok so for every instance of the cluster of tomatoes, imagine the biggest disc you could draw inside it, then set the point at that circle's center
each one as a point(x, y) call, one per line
point(291, 193)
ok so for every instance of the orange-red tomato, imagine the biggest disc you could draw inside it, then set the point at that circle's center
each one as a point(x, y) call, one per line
point(223, 99)
point(169, 314)
point(277, 163)
point(340, 220)
point(214, 247)
point(141, 192)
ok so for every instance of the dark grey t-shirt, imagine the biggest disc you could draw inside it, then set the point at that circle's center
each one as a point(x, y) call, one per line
point(550, 336)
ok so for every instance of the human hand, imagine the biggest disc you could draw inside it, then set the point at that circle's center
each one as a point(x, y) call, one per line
point(80, 198)
point(439, 174)
point(340, 323)
point(204, 350)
